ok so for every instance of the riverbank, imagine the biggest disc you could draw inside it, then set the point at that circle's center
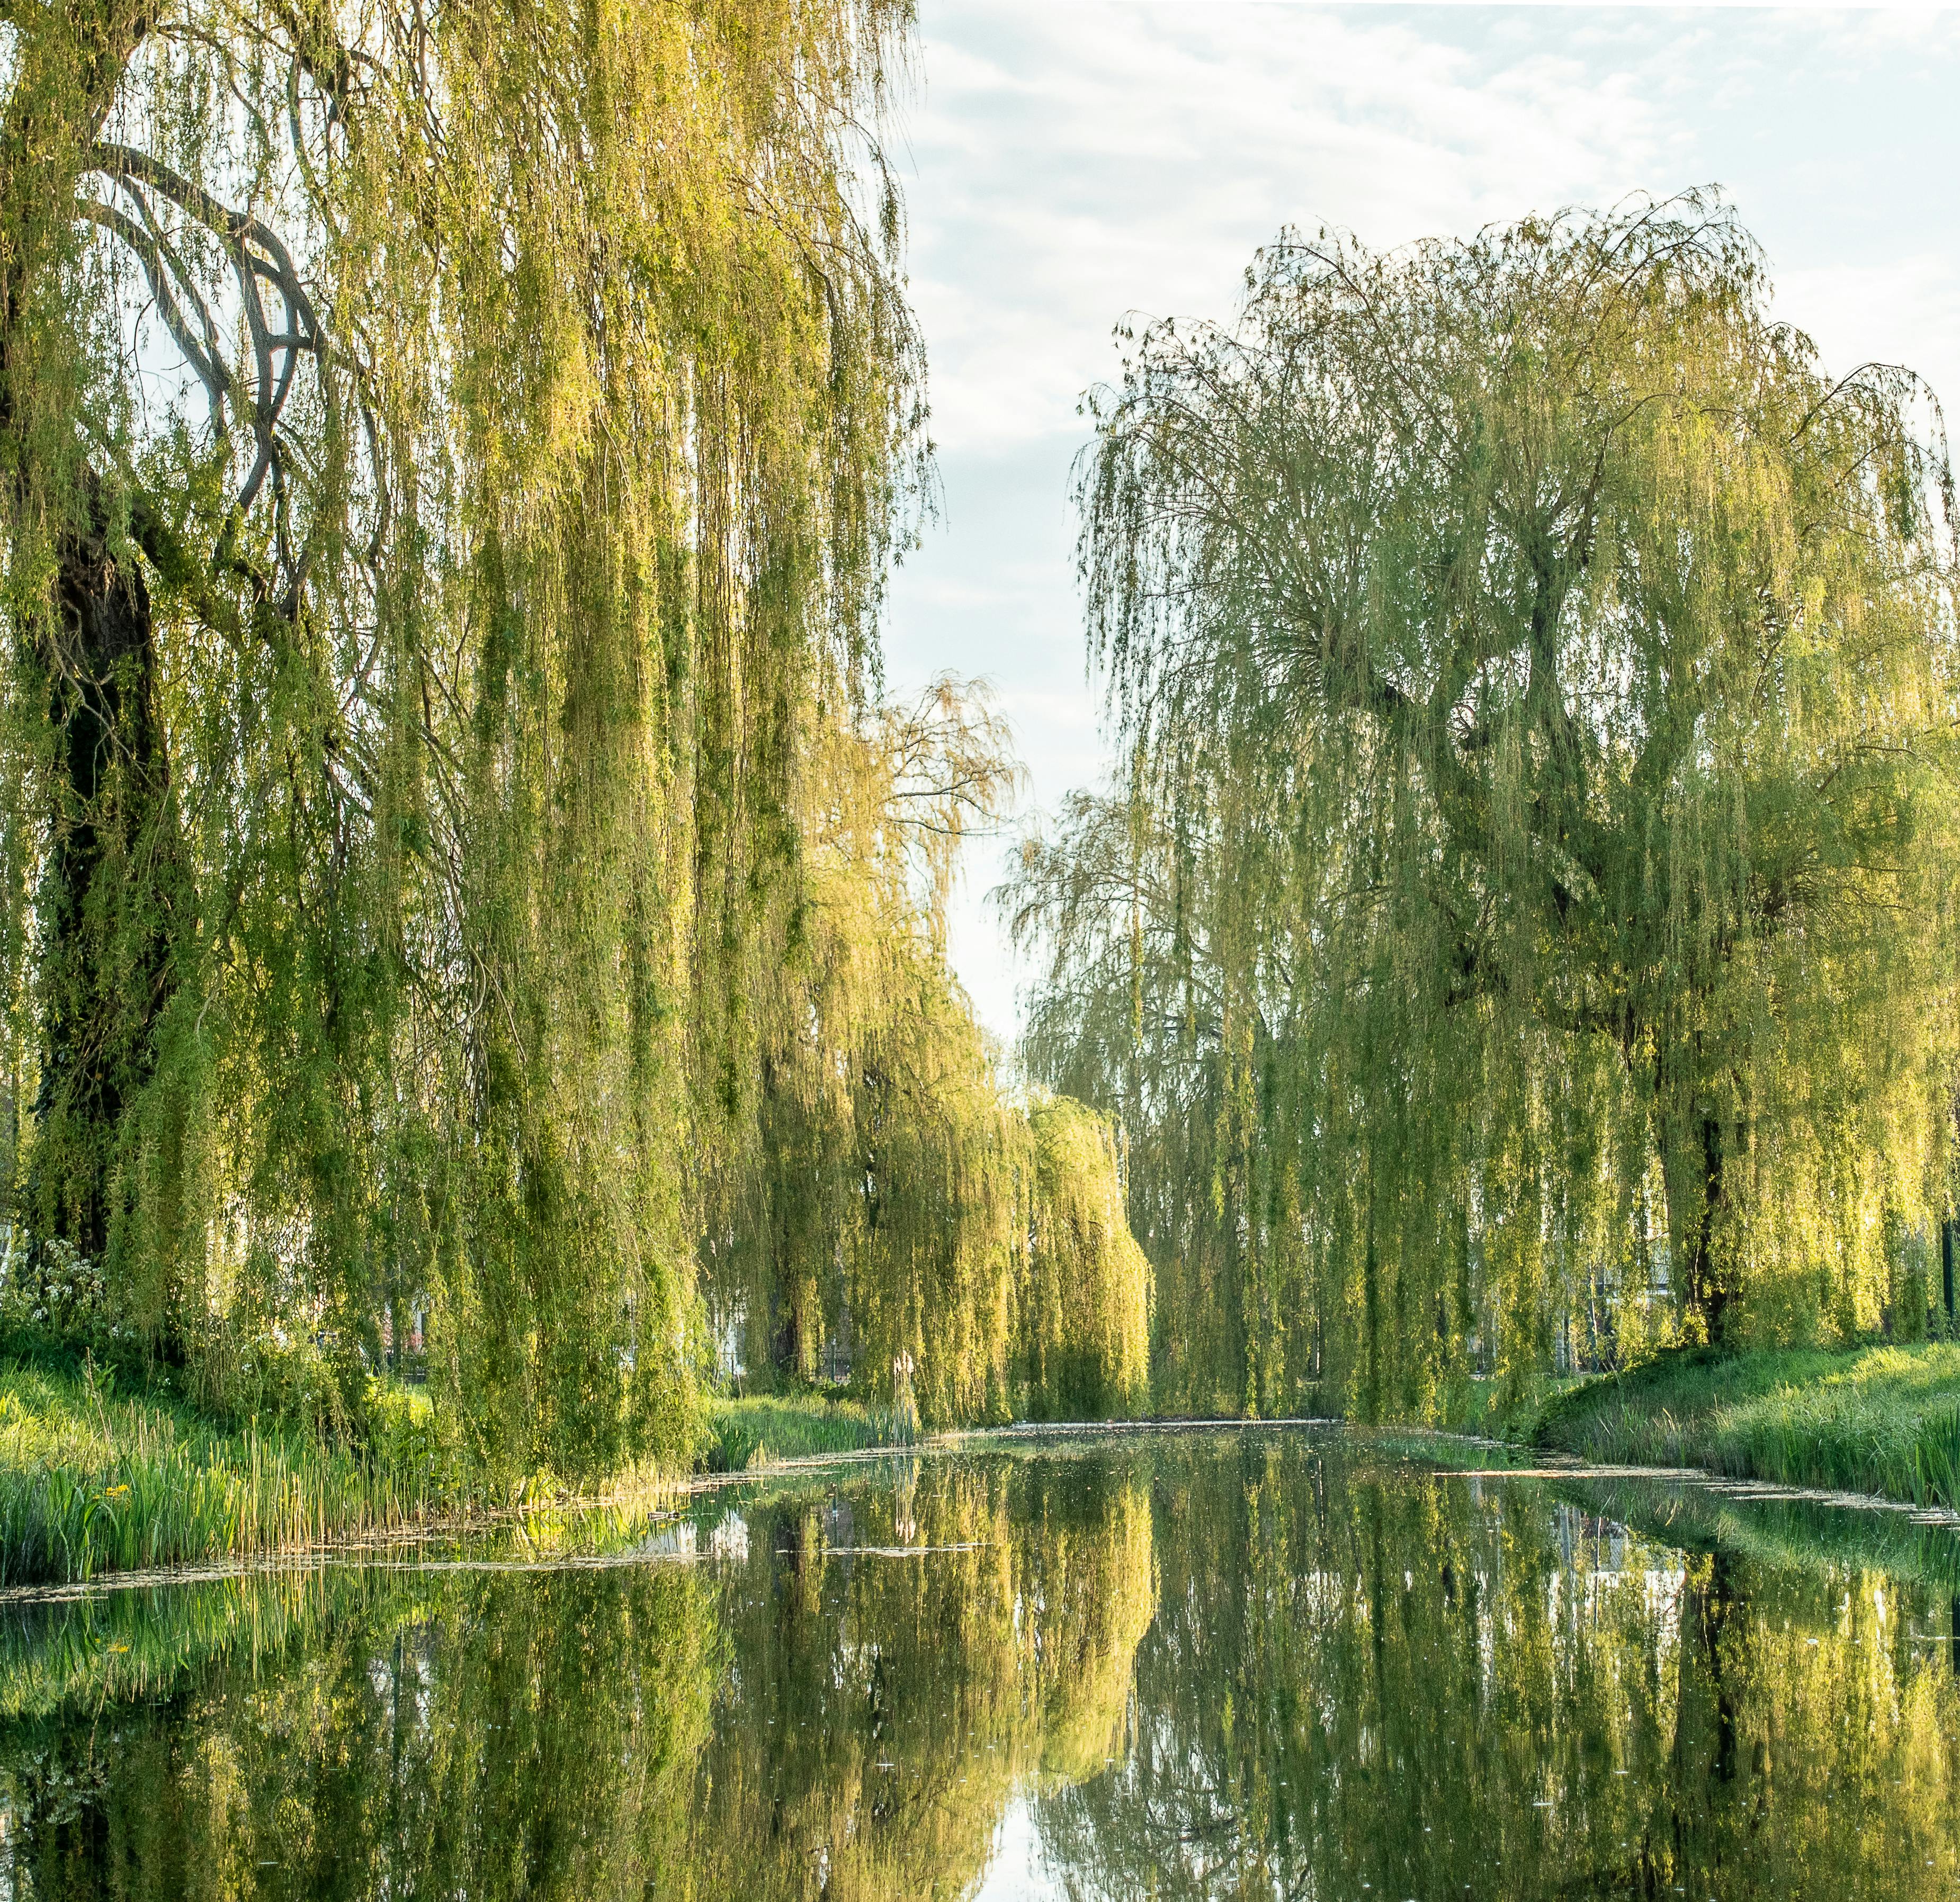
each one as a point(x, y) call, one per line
point(93, 1481)
point(1878, 1420)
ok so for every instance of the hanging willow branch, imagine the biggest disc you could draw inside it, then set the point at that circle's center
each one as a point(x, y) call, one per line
point(452, 462)
point(1536, 865)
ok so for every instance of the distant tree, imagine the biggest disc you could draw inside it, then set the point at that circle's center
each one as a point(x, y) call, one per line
point(1539, 680)
point(1082, 1320)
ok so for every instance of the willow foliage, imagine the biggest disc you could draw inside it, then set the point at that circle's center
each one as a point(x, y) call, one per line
point(450, 459)
point(1528, 910)
point(1084, 1329)
point(878, 1210)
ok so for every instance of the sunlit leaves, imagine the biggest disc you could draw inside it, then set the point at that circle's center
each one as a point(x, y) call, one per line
point(1525, 918)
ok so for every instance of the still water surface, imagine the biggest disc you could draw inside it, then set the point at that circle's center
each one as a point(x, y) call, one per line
point(1266, 1663)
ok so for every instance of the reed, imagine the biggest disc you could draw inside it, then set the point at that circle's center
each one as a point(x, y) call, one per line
point(91, 1481)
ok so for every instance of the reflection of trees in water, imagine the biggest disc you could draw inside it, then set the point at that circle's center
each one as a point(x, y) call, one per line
point(1347, 1680)
point(879, 1711)
point(1400, 1684)
point(446, 1734)
point(548, 1735)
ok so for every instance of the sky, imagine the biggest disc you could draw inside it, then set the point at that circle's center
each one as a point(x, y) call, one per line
point(1068, 163)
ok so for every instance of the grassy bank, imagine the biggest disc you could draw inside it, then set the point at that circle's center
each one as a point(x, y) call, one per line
point(754, 1431)
point(92, 1481)
point(1883, 1420)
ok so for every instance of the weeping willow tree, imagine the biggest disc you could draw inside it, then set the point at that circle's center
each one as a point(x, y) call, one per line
point(450, 459)
point(1530, 897)
point(892, 1196)
point(877, 1209)
point(1084, 1316)
point(896, 1198)
point(1127, 1016)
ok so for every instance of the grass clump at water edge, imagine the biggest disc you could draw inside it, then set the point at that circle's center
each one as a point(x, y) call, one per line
point(1878, 1420)
point(93, 1481)
point(758, 1429)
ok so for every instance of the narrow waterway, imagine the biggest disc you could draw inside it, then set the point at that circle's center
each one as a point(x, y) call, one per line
point(1263, 1662)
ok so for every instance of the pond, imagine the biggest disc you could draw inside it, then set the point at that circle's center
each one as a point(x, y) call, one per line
point(1276, 1662)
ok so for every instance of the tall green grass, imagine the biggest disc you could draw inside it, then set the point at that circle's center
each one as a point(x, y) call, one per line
point(91, 1481)
point(94, 1481)
point(760, 1428)
point(1876, 1420)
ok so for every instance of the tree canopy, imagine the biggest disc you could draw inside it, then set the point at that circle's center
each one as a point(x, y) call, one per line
point(459, 863)
point(1527, 906)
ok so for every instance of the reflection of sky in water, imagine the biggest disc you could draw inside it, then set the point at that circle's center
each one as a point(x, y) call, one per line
point(1017, 1873)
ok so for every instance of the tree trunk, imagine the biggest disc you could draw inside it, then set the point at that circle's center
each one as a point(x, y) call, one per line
point(104, 921)
point(106, 897)
point(1692, 1163)
point(1708, 1290)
